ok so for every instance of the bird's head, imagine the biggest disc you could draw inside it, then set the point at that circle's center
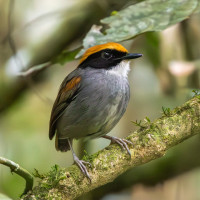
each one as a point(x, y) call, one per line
point(106, 56)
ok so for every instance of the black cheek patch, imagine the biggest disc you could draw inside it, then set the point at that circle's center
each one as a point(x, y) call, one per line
point(96, 61)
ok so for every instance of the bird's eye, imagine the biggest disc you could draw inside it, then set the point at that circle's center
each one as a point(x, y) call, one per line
point(106, 55)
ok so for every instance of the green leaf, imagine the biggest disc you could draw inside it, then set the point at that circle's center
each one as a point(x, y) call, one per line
point(149, 15)
point(65, 56)
point(37, 174)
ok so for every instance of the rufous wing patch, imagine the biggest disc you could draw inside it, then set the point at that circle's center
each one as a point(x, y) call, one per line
point(109, 45)
point(66, 92)
point(72, 83)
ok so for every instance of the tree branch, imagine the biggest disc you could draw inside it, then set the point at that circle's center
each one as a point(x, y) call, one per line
point(150, 142)
point(20, 171)
point(34, 70)
point(178, 160)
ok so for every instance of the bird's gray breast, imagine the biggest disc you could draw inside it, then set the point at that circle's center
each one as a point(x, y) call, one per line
point(100, 103)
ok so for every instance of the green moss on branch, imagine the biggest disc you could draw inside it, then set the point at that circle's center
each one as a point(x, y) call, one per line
point(150, 142)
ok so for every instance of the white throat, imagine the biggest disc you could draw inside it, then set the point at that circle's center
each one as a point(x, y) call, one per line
point(122, 69)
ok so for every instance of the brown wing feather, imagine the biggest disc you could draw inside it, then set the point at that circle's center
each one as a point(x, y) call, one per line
point(66, 93)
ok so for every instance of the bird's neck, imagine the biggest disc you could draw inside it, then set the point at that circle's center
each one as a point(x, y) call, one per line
point(122, 69)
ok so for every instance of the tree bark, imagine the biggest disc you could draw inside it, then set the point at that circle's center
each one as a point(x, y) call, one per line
point(151, 141)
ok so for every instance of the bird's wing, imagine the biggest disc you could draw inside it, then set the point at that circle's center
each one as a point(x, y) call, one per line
point(66, 94)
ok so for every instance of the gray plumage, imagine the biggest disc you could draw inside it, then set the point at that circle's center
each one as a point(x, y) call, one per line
point(92, 99)
point(96, 106)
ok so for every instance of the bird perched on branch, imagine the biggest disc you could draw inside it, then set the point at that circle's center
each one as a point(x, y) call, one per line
point(92, 99)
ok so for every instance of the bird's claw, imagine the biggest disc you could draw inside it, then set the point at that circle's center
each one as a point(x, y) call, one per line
point(122, 142)
point(81, 164)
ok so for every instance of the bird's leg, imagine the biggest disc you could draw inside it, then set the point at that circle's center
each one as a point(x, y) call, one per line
point(122, 142)
point(80, 163)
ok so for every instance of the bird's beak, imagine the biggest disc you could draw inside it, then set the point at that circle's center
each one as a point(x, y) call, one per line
point(131, 56)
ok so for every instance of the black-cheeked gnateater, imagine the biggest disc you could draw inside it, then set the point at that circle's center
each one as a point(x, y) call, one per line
point(92, 98)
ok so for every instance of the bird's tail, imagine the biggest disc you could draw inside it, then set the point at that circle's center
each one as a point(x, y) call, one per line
point(62, 144)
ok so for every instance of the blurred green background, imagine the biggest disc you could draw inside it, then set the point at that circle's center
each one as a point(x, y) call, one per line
point(164, 76)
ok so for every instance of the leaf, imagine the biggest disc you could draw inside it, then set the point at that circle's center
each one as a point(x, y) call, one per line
point(65, 56)
point(149, 15)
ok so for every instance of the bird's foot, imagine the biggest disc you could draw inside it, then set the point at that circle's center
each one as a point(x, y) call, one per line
point(122, 142)
point(81, 164)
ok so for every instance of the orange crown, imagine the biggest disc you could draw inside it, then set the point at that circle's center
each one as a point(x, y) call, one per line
point(109, 45)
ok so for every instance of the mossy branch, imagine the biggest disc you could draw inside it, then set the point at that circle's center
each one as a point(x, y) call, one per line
point(150, 142)
point(14, 167)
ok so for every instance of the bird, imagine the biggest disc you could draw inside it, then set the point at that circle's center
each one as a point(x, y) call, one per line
point(92, 99)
